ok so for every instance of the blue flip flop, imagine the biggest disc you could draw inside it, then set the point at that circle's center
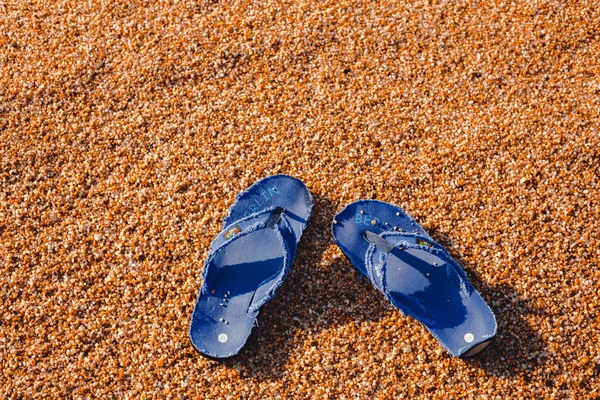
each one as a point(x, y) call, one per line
point(416, 274)
point(247, 262)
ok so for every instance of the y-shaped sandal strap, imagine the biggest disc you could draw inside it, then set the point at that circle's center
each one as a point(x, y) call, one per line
point(250, 222)
point(269, 218)
point(392, 244)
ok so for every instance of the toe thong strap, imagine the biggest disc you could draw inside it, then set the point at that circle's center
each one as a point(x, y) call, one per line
point(270, 218)
point(397, 244)
point(266, 289)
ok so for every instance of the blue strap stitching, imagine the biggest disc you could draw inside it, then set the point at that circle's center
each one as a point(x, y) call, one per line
point(380, 275)
point(437, 251)
point(256, 304)
point(257, 226)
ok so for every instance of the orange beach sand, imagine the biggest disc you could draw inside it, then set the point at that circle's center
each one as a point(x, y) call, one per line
point(128, 127)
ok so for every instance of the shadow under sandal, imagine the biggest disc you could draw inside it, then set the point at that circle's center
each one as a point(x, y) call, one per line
point(416, 274)
point(247, 262)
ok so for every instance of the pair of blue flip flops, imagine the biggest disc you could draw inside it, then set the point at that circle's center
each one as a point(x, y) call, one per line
point(251, 257)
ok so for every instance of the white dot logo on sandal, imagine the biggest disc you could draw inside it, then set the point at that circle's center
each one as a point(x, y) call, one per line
point(469, 338)
point(222, 338)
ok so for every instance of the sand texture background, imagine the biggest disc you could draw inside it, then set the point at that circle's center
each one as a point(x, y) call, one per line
point(128, 127)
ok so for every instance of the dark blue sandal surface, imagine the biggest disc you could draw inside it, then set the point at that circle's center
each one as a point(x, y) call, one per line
point(247, 262)
point(416, 274)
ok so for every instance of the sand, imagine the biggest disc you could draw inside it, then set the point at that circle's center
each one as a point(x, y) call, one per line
point(127, 128)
